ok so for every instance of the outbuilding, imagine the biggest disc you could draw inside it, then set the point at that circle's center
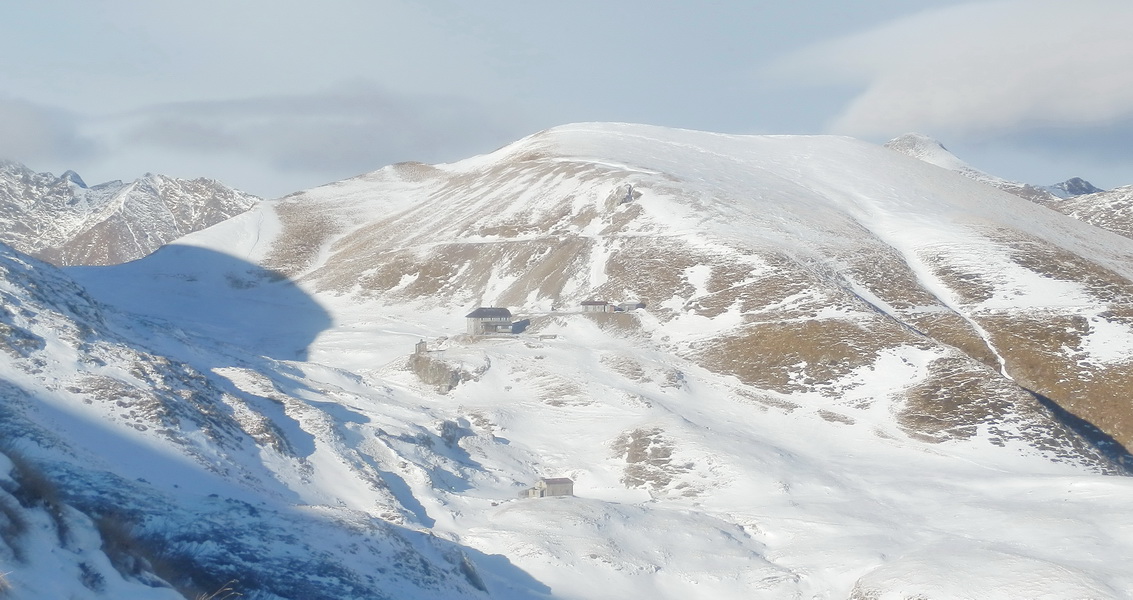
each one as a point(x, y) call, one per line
point(597, 306)
point(550, 486)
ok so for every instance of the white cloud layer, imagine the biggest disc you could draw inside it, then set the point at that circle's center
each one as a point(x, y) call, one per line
point(982, 68)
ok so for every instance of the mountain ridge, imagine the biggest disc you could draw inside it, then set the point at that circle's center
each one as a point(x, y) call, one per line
point(62, 220)
point(932, 151)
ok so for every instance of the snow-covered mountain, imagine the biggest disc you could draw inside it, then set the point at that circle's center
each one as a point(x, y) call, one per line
point(1075, 186)
point(1111, 210)
point(62, 221)
point(933, 152)
point(855, 375)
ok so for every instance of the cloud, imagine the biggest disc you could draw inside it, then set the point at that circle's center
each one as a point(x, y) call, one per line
point(341, 132)
point(31, 132)
point(980, 69)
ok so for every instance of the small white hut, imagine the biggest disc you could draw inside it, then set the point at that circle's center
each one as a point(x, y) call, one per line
point(547, 487)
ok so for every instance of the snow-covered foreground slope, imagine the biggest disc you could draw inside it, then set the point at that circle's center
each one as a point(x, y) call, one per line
point(62, 221)
point(831, 390)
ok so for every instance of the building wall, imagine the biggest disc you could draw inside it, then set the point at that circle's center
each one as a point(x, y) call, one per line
point(477, 326)
point(559, 489)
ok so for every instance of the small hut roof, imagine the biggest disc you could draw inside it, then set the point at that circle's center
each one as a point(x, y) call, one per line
point(489, 312)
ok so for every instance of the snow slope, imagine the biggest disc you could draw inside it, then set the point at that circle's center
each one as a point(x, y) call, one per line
point(850, 380)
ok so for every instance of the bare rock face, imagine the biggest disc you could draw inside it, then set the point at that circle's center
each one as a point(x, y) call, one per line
point(65, 222)
point(444, 374)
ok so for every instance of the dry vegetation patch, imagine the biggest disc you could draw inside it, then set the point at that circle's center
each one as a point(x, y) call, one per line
point(1042, 355)
point(954, 399)
point(971, 287)
point(799, 356)
point(306, 228)
point(950, 328)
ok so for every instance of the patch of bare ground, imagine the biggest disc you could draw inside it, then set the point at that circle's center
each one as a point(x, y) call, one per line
point(621, 217)
point(434, 370)
point(650, 268)
point(728, 288)
point(542, 267)
point(971, 287)
point(415, 171)
point(799, 356)
point(765, 402)
point(950, 328)
point(955, 398)
point(1112, 210)
point(653, 268)
point(1042, 354)
point(625, 366)
point(960, 397)
point(619, 324)
point(834, 417)
point(649, 460)
point(482, 422)
point(306, 229)
point(884, 272)
point(558, 391)
point(1054, 262)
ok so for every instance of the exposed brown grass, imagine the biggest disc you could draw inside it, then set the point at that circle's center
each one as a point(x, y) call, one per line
point(950, 328)
point(972, 288)
point(834, 417)
point(956, 397)
point(1040, 351)
point(306, 229)
point(797, 356)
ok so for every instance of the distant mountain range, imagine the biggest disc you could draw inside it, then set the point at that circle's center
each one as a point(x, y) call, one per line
point(62, 221)
point(834, 370)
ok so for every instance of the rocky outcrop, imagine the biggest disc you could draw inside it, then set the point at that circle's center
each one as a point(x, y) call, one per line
point(444, 375)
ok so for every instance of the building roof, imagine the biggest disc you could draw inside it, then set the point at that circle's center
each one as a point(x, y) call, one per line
point(488, 312)
point(594, 303)
point(550, 480)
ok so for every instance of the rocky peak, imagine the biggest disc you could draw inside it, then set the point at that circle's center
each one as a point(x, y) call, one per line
point(1075, 186)
point(74, 178)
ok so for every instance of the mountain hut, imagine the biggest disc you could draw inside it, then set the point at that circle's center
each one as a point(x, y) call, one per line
point(489, 319)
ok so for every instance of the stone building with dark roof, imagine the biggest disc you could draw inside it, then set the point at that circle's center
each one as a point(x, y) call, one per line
point(488, 319)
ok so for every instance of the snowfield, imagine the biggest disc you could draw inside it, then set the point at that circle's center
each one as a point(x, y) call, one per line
point(825, 395)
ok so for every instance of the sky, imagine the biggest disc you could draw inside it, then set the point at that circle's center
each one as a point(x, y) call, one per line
point(275, 96)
